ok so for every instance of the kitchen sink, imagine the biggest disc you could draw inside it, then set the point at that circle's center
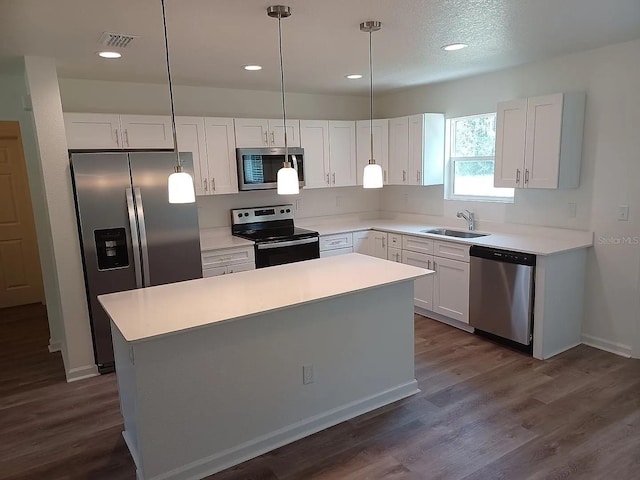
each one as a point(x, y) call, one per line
point(454, 233)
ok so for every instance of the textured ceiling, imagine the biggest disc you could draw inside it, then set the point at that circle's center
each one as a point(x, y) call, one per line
point(211, 39)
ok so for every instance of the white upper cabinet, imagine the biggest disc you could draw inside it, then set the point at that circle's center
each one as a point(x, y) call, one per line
point(416, 149)
point(426, 149)
point(342, 153)
point(92, 130)
point(539, 142)
point(190, 133)
point(109, 131)
point(314, 138)
point(146, 131)
point(221, 155)
point(380, 146)
point(399, 151)
point(258, 133)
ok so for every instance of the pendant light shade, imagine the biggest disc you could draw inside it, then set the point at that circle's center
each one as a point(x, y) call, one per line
point(181, 187)
point(372, 175)
point(287, 175)
point(180, 183)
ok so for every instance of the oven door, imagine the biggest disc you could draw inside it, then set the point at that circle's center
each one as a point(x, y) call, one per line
point(258, 167)
point(277, 253)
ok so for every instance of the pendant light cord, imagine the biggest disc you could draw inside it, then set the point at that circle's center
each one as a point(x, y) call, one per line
point(284, 110)
point(173, 112)
point(371, 93)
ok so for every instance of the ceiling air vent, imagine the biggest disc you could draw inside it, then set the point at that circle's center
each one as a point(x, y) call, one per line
point(117, 40)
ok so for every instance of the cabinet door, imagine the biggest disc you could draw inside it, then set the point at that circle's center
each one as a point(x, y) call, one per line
point(362, 242)
point(399, 172)
point(276, 133)
point(426, 149)
point(342, 153)
point(422, 287)
point(451, 289)
point(251, 132)
point(221, 155)
point(380, 146)
point(213, 271)
point(92, 130)
point(314, 138)
point(542, 153)
point(190, 133)
point(242, 267)
point(379, 247)
point(510, 144)
point(146, 131)
point(394, 254)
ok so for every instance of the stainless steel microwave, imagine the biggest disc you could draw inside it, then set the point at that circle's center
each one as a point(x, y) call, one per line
point(258, 167)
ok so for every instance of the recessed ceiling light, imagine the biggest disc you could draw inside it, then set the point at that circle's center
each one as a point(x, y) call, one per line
point(252, 68)
point(454, 46)
point(354, 76)
point(110, 54)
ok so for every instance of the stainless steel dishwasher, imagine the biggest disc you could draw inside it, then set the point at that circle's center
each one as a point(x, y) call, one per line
point(501, 294)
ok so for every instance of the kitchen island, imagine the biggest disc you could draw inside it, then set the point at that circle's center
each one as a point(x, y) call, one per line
point(215, 371)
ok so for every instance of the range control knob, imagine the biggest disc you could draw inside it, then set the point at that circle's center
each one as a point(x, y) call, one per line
point(281, 211)
point(239, 215)
point(288, 210)
point(246, 214)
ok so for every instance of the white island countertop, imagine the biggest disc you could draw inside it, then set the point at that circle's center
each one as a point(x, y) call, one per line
point(166, 309)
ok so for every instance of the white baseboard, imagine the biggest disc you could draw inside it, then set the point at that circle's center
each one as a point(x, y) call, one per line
point(607, 345)
point(54, 346)
point(80, 373)
point(441, 318)
point(265, 443)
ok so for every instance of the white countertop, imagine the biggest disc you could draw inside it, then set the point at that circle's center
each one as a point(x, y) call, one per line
point(547, 241)
point(155, 311)
point(218, 238)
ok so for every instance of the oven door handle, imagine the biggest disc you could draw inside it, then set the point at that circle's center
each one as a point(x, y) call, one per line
point(290, 243)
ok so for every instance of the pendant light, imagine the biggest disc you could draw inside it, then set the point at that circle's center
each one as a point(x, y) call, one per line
point(287, 175)
point(372, 175)
point(181, 189)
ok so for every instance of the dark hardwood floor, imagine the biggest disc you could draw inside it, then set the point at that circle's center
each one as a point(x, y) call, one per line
point(485, 412)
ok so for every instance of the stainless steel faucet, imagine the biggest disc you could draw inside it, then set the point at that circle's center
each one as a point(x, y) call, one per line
point(468, 217)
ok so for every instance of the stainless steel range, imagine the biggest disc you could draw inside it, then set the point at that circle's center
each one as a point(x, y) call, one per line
point(277, 239)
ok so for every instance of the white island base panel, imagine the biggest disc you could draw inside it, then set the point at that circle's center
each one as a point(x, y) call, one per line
point(203, 400)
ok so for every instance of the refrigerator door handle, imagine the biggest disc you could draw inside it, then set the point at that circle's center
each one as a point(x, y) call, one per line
point(135, 243)
point(143, 237)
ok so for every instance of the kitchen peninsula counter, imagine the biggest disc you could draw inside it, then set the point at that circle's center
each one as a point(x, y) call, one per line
point(212, 372)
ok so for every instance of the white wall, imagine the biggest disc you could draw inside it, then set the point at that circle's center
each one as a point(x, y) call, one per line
point(42, 82)
point(153, 99)
point(610, 171)
point(13, 92)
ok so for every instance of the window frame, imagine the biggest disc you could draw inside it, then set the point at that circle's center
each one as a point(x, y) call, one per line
point(450, 164)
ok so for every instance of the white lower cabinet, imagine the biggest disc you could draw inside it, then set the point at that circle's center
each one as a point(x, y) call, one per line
point(394, 254)
point(227, 260)
point(451, 289)
point(335, 252)
point(445, 292)
point(339, 244)
point(370, 242)
point(379, 248)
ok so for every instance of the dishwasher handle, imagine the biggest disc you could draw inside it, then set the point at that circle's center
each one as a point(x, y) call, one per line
point(505, 256)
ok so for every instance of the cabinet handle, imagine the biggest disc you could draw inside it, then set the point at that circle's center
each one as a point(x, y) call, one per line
point(273, 138)
point(205, 185)
point(384, 172)
point(126, 136)
point(328, 183)
point(213, 184)
point(517, 176)
point(404, 175)
point(117, 138)
point(418, 176)
point(334, 178)
point(526, 176)
point(428, 264)
point(383, 242)
point(266, 138)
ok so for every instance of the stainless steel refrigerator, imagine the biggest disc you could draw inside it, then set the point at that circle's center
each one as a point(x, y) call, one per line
point(130, 235)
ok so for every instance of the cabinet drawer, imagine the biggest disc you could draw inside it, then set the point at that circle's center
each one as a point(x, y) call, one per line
point(241, 267)
point(455, 251)
point(231, 256)
point(421, 260)
point(335, 252)
point(394, 254)
point(417, 244)
point(213, 271)
point(331, 242)
point(395, 240)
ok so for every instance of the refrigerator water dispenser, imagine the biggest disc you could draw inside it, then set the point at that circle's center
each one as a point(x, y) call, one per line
point(111, 248)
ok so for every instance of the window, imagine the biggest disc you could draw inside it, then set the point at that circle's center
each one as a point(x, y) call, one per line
point(471, 152)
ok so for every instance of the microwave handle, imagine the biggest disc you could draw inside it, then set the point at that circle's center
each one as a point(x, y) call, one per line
point(295, 162)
